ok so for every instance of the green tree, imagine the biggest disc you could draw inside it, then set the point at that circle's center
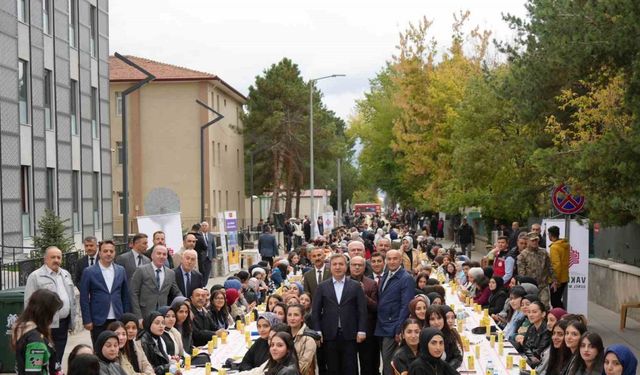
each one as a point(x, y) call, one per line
point(52, 232)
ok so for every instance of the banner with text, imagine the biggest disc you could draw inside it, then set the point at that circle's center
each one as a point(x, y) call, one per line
point(231, 227)
point(223, 242)
point(327, 219)
point(577, 290)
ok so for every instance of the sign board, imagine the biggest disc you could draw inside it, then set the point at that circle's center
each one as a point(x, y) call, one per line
point(327, 220)
point(223, 240)
point(565, 202)
point(577, 291)
point(231, 228)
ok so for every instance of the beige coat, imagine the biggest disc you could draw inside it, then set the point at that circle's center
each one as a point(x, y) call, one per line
point(143, 363)
point(306, 350)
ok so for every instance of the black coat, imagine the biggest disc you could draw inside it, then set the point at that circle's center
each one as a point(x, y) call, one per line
point(402, 358)
point(497, 301)
point(197, 281)
point(351, 310)
point(257, 354)
point(421, 367)
point(203, 327)
point(535, 342)
point(152, 351)
point(454, 356)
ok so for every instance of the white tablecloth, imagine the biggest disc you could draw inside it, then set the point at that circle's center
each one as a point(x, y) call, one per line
point(486, 351)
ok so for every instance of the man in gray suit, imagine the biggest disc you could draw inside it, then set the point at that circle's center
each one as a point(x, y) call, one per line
point(267, 245)
point(209, 239)
point(152, 284)
point(135, 257)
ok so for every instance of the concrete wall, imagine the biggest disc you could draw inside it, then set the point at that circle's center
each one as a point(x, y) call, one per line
point(611, 284)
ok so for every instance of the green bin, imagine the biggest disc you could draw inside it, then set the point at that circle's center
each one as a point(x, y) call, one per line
point(11, 306)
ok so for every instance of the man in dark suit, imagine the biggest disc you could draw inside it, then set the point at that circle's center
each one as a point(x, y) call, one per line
point(158, 238)
point(104, 293)
point(152, 284)
point(306, 228)
point(368, 351)
point(209, 240)
point(317, 274)
point(311, 279)
point(89, 259)
point(135, 257)
point(204, 263)
point(267, 245)
point(203, 324)
point(339, 314)
point(187, 278)
point(397, 289)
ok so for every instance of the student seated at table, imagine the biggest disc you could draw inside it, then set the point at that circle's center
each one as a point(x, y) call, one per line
point(498, 295)
point(171, 336)
point(219, 308)
point(591, 358)
point(153, 345)
point(107, 350)
point(282, 357)
point(482, 291)
point(408, 350)
point(619, 359)
point(429, 360)
point(280, 309)
point(183, 324)
point(130, 356)
point(435, 298)
point(553, 316)
point(537, 338)
point(522, 328)
point(272, 300)
point(305, 345)
point(511, 320)
point(258, 353)
point(575, 329)
point(436, 318)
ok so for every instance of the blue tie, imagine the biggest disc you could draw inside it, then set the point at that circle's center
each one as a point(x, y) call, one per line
point(158, 278)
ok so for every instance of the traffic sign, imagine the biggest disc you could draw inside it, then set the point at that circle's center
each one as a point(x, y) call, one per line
point(565, 202)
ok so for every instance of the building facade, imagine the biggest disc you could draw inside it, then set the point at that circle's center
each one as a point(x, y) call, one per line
point(163, 128)
point(55, 148)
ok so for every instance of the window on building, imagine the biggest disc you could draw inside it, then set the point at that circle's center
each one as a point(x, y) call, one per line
point(225, 148)
point(120, 151)
point(73, 21)
point(225, 102)
point(237, 157)
point(218, 102)
point(75, 200)
point(121, 203)
point(118, 103)
point(73, 106)
point(51, 189)
point(46, 13)
point(96, 200)
point(219, 159)
point(23, 91)
point(238, 206)
point(93, 31)
point(226, 200)
point(220, 199)
point(23, 11)
point(213, 153)
point(94, 113)
point(25, 200)
point(48, 94)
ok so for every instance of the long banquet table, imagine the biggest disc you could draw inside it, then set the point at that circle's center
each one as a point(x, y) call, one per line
point(236, 345)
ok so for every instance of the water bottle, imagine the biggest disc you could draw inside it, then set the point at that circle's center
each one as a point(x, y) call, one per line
point(489, 367)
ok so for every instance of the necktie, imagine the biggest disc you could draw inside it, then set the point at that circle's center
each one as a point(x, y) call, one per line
point(386, 281)
point(91, 261)
point(378, 279)
point(187, 283)
point(139, 260)
point(206, 242)
point(158, 278)
point(319, 276)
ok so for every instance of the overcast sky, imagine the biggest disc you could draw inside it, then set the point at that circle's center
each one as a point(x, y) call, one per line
point(237, 40)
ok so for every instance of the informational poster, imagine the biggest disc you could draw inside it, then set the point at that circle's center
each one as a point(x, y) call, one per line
point(578, 288)
point(231, 228)
point(327, 219)
point(170, 224)
point(223, 242)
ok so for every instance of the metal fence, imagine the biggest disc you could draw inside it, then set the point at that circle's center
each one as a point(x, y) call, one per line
point(17, 263)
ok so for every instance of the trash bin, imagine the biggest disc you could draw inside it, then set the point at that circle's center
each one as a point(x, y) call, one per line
point(11, 306)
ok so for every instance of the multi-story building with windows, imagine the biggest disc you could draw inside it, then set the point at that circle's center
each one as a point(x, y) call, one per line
point(55, 148)
point(163, 128)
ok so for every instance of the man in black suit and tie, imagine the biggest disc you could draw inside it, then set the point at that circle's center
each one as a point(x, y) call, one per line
point(89, 259)
point(317, 274)
point(204, 263)
point(339, 314)
point(187, 278)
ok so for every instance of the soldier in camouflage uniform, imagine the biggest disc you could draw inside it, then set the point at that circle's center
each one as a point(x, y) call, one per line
point(535, 262)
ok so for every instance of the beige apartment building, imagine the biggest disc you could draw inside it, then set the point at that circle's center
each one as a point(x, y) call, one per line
point(163, 126)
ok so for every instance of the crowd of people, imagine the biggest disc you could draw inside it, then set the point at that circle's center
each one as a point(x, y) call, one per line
point(365, 299)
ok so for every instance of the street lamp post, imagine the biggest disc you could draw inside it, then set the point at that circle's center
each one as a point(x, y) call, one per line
point(311, 166)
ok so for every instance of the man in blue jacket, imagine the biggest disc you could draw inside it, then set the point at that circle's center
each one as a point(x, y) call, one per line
point(267, 245)
point(397, 289)
point(104, 295)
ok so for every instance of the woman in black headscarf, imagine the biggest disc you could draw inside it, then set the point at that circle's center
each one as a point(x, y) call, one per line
point(430, 351)
point(153, 345)
point(498, 295)
point(107, 350)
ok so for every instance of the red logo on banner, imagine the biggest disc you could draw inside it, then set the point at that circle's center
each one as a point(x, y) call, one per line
point(574, 257)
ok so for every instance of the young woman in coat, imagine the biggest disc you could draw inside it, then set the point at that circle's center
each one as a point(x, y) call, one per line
point(431, 349)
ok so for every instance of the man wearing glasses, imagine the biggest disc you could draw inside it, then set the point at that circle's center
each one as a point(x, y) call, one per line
point(535, 262)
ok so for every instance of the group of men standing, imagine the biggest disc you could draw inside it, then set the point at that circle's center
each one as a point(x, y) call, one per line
point(139, 281)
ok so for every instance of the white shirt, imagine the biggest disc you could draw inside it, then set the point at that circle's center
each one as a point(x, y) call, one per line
point(338, 287)
point(61, 290)
point(109, 274)
point(161, 275)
